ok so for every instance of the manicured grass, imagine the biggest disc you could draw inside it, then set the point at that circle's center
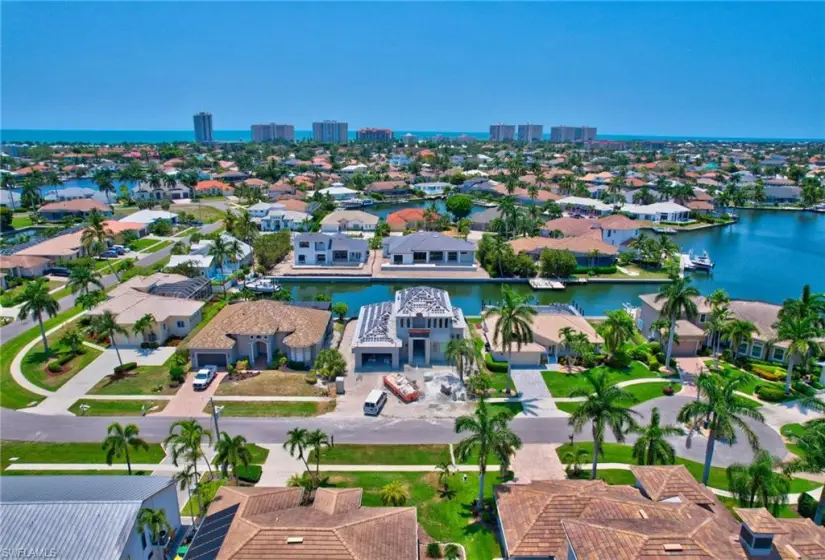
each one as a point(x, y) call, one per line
point(610, 476)
point(13, 395)
point(60, 294)
point(561, 384)
point(274, 409)
point(444, 519)
point(568, 407)
point(20, 221)
point(793, 431)
point(157, 247)
point(752, 381)
point(209, 489)
point(186, 232)
point(56, 453)
point(10, 298)
point(348, 454)
point(36, 359)
point(271, 383)
point(142, 244)
point(116, 408)
point(259, 454)
point(618, 453)
point(642, 392)
point(143, 380)
point(511, 407)
point(102, 265)
point(202, 212)
point(786, 511)
point(72, 473)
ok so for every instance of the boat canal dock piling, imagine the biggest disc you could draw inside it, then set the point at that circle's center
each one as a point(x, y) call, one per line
point(545, 284)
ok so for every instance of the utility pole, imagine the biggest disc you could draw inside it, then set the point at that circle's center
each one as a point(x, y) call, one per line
point(216, 413)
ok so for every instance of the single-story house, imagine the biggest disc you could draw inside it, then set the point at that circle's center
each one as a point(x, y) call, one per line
point(588, 249)
point(77, 208)
point(782, 194)
point(23, 266)
point(432, 189)
point(85, 516)
point(149, 216)
point(339, 193)
point(656, 212)
point(233, 176)
point(212, 187)
point(257, 330)
point(355, 168)
point(69, 193)
point(333, 249)
point(389, 188)
point(62, 247)
point(407, 218)
point(428, 249)
point(480, 221)
point(349, 220)
point(9, 199)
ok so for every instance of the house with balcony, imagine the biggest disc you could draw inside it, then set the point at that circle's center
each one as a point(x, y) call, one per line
point(275, 217)
point(146, 191)
point(323, 249)
point(207, 265)
point(425, 250)
point(414, 329)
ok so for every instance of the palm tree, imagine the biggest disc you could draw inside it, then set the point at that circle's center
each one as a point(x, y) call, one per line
point(316, 440)
point(231, 452)
point(96, 236)
point(678, 297)
point(35, 301)
point(157, 523)
point(104, 180)
point(489, 434)
point(718, 298)
point(651, 447)
point(812, 442)
point(119, 440)
point(737, 332)
point(809, 304)
point(106, 322)
point(394, 494)
point(184, 441)
point(603, 408)
point(186, 479)
point(759, 479)
point(145, 323)
point(7, 181)
point(716, 326)
point(801, 334)
point(296, 443)
point(82, 278)
point(576, 344)
point(246, 228)
point(573, 460)
point(617, 329)
point(464, 355)
point(722, 411)
point(73, 340)
point(514, 324)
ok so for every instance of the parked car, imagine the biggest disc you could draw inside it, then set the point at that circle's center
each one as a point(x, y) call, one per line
point(109, 254)
point(375, 402)
point(120, 249)
point(204, 377)
point(57, 271)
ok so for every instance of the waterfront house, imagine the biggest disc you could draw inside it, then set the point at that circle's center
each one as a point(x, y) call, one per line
point(589, 249)
point(322, 249)
point(479, 186)
point(615, 229)
point(232, 176)
point(348, 220)
point(339, 193)
point(480, 221)
point(275, 217)
point(389, 188)
point(70, 193)
point(407, 218)
point(78, 208)
point(212, 187)
point(145, 191)
point(432, 189)
point(656, 212)
point(428, 250)
point(782, 194)
point(280, 189)
point(73, 516)
point(206, 264)
point(415, 328)
point(257, 331)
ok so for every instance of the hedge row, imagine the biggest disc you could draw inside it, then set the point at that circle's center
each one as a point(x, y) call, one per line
point(494, 366)
point(128, 366)
point(251, 474)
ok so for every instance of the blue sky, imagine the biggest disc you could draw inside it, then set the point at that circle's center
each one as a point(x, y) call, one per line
point(690, 69)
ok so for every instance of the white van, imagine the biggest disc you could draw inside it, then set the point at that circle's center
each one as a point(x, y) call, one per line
point(375, 402)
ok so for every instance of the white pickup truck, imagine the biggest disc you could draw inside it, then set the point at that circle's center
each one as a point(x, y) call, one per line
point(204, 377)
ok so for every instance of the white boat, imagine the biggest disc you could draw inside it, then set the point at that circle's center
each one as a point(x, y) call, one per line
point(667, 230)
point(700, 262)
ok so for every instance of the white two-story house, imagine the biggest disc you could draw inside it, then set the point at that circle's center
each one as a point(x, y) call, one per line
point(322, 249)
point(275, 217)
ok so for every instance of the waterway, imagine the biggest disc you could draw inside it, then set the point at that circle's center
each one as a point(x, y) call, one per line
point(384, 210)
point(767, 256)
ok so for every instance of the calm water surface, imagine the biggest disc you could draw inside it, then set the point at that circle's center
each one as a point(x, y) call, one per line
point(384, 210)
point(767, 256)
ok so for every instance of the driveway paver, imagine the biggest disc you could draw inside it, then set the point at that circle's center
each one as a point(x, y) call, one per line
point(188, 402)
point(537, 461)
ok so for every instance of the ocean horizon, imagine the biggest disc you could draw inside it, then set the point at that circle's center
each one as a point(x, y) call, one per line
point(170, 136)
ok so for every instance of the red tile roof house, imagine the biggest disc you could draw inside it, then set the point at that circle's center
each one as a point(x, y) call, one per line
point(56, 211)
point(213, 188)
point(408, 218)
point(22, 266)
point(389, 188)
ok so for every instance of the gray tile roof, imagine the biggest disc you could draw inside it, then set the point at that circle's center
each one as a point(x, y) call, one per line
point(485, 216)
point(81, 488)
point(426, 241)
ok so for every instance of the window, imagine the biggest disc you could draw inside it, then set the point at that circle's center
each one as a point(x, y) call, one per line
point(702, 318)
point(756, 351)
point(302, 258)
point(181, 324)
point(304, 244)
point(321, 258)
point(779, 354)
point(762, 543)
point(743, 348)
point(452, 256)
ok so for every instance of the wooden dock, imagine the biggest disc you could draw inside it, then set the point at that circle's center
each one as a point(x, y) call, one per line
point(545, 284)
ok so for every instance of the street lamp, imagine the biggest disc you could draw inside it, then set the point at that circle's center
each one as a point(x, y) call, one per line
point(216, 414)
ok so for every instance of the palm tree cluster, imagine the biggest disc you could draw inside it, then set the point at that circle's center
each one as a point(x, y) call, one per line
point(801, 325)
point(513, 324)
point(305, 444)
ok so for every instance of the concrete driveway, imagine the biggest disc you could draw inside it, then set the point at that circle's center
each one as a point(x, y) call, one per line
point(188, 402)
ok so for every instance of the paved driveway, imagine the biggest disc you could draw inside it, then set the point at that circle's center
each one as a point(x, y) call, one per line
point(536, 400)
point(188, 402)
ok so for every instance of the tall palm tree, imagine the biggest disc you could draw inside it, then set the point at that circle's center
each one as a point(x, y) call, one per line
point(104, 179)
point(186, 479)
point(155, 520)
point(184, 441)
point(716, 326)
point(812, 442)
point(737, 332)
point(651, 447)
point(246, 228)
point(801, 334)
point(230, 453)
point(603, 408)
point(35, 301)
point(718, 298)
point(145, 323)
point(82, 278)
point(513, 326)
point(223, 249)
point(296, 443)
point(489, 434)
point(119, 440)
point(809, 304)
point(7, 183)
point(678, 297)
point(718, 405)
point(617, 329)
point(316, 440)
point(759, 480)
point(464, 355)
point(106, 322)
point(96, 236)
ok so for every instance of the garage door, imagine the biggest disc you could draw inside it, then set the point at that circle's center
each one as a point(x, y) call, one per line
point(376, 360)
point(211, 360)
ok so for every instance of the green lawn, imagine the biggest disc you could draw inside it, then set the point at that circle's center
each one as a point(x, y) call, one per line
point(56, 453)
point(793, 430)
point(209, 489)
point(786, 511)
point(141, 244)
point(561, 384)
point(348, 454)
point(143, 380)
point(610, 476)
point(752, 381)
point(259, 454)
point(445, 520)
point(60, 294)
point(116, 408)
point(618, 453)
point(642, 392)
point(511, 407)
point(157, 247)
point(202, 212)
point(274, 409)
point(20, 221)
point(10, 298)
point(186, 232)
point(36, 359)
point(13, 395)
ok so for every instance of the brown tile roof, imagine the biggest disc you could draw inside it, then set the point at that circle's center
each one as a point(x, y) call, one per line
point(293, 204)
point(760, 520)
point(335, 527)
point(700, 205)
point(406, 216)
point(663, 482)
point(304, 327)
point(650, 299)
point(617, 221)
point(21, 261)
point(800, 540)
point(60, 246)
point(213, 184)
point(581, 245)
point(78, 205)
point(571, 227)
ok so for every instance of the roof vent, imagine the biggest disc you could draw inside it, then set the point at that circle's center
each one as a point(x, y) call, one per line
point(673, 547)
point(294, 540)
point(643, 514)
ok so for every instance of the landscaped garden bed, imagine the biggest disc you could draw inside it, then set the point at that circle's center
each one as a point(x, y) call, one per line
point(561, 384)
point(50, 370)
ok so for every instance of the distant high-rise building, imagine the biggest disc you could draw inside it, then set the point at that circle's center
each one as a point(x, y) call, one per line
point(374, 134)
point(272, 131)
point(330, 132)
point(410, 139)
point(203, 128)
point(564, 133)
point(530, 132)
point(502, 132)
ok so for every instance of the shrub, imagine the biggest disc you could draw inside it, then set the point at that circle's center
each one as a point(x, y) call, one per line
point(668, 390)
point(804, 388)
point(653, 363)
point(311, 378)
point(181, 355)
point(619, 360)
point(727, 355)
point(65, 359)
point(451, 552)
point(742, 362)
point(128, 366)
point(433, 550)
point(251, 474)
point(176, 374)
point(768, 374)
point(149, 345)
point(806, 506)
point(770, 394)
point(640, 354)
point(493, 365)
point(242, 365)
point(55, 367)
point(654, 347)
point(297, 366)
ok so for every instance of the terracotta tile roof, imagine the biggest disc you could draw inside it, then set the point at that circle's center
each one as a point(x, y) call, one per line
point(293, 204)
point(380, 186)
point(571, 227)
point(700, 205)
point(60, 246)
point(304, 327)
point(77, 205)
point(581, 245)
point(118, 226)
point(650, 299)
point(618, 221)
point(254, 182)
point(21, 261)
point(663, 482)
point(335, 527)
point(406, 216)
point(212, 184)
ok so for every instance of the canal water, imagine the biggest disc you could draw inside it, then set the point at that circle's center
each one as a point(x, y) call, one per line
point(767, 256)
point(384, 210)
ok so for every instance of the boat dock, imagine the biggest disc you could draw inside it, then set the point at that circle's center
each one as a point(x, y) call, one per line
point(545, 284)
